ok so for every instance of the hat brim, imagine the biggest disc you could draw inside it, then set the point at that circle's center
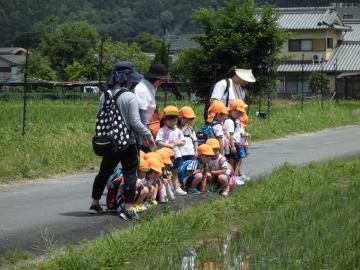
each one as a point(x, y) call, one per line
point(150, 75)
point(135, 76)
point(156, 169)
point(246, 75)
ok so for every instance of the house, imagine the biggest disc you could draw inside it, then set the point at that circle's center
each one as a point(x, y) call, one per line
point(10, 61)
point(320, 42)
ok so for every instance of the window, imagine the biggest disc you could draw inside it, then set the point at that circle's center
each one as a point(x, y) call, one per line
point(5, 69)
point(306, 45)
point(319, 45)
point(296, 45)
point(330, 43)
point(348, 16)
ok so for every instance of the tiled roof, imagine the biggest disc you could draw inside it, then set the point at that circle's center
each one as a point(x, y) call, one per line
point(353, 35)
point(14, 59)
point(11, 50)
point(309, 18)
point(348, 57)
point(184, 42)
point(348, 60)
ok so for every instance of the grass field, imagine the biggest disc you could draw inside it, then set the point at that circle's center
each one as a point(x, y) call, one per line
point(58, 135)
point(296, 218)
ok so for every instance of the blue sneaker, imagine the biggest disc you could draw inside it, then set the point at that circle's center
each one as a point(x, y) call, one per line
point(128, 215)
point(194, 191)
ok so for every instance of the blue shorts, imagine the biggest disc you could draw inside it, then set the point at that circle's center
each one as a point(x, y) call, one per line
point(177, 162)
point(240, 151)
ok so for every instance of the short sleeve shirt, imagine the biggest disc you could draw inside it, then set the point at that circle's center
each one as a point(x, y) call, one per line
point(145, 93)
point(190, 137)
point(220, 163)
point(169, 135)
point(235, 91)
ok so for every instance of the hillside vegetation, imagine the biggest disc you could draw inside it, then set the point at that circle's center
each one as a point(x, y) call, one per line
point(119, 19)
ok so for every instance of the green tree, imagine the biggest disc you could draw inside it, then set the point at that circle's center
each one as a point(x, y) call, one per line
point(318, 82)
point(162, 54)
point(39, 67)
point(237, 33)
point(148, 42)
point(70, 42)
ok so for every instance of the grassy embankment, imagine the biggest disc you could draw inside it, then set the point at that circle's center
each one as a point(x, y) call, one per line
point(296, 218)
point(58, 136)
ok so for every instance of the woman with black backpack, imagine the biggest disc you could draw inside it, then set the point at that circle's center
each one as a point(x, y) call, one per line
point(127, 106)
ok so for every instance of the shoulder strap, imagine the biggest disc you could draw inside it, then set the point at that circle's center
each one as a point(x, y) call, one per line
point(222, 161)
point(121, 91)
point(227, 91)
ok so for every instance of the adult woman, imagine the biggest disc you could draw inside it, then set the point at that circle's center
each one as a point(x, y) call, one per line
point(122, 77)
point(231, 88)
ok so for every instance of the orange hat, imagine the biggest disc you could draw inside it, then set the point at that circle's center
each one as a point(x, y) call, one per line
point(214, 143)
point(187, 112)
point(244, 120)
point(155, 156)
point(143, 165)
point(154, 164)
point(142, 154)
point(165, 157)
point(205, 149)
point(167, 150)
point(216, 107)
point(171, 111)
point(237, 104)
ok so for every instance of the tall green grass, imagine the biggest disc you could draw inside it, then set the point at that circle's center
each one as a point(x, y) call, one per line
point(58, 135)
point(296, 218)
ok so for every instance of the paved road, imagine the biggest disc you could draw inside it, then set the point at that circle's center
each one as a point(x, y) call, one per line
point(54, 211)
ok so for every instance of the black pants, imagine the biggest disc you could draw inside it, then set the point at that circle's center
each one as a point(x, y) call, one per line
point(129, 162)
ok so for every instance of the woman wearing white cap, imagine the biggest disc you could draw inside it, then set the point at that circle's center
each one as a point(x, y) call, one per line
point(230, 88)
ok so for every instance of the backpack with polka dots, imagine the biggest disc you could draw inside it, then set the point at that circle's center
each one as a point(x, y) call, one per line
point(111, 133)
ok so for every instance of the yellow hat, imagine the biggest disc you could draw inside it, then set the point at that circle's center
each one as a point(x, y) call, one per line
point(171, 111)
point(155, 156)
point(186, 112)
point(238, 105)
point(143, 165)
point(165, 157)
point(142, 154)
point(167, 150)
point(205, 149)
point(154, 164)
point(216, 107)
point(214, 143)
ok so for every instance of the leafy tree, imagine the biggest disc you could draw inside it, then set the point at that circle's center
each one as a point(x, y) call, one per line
point(162, 54)
point(148, 42)
point(317, 82)
point(237, 33)
point(39, 67)
point(70, 42)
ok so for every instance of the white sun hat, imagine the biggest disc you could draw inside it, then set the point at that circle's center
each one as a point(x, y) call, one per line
point(245, 74)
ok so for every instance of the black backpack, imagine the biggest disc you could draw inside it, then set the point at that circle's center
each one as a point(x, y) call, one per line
point(207, 101)
point(111, 133)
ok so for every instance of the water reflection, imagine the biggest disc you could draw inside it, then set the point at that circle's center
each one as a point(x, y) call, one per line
point(213, 254)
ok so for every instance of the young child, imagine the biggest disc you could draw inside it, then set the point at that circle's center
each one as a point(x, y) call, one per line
point(152, 177)
point(166, 155)
point(216, 116)
point(186, 116)
point(236, 149)
point(172, 137)
point(220, 169)
point(142, 188)
point(191, 172)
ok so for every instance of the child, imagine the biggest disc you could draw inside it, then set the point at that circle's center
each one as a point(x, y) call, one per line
point(191, 172)
point(166, 154)
point(186, 116)
point(216, 116)
point(142, 188)
point(171, 136)
point(152, 177)
point(236, 150)
point(220, 169)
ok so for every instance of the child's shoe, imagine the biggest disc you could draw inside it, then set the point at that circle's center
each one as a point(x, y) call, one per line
point(170, 194)
point(245, 178)
point(239, 181)
point(128, 215)
point(194, 191)
point(180, 192)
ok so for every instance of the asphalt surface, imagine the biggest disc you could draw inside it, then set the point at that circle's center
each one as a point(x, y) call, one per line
point(48, 212)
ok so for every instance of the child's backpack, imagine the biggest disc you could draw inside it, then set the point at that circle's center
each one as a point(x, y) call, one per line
point(111, 133)
point(114, 197)
point(184, 169)
point(207, 101)
point(206, 132)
